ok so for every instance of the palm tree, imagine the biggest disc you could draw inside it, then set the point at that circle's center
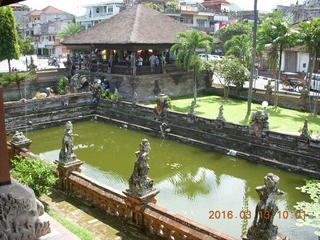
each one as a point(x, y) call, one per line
point(187, 56)
point(309, 36)
point(276, 33)
point(240, 46)
point(70, 30)
point(17, 78)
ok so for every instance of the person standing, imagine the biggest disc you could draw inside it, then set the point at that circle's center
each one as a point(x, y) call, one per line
point(152, 62)
point(140, 63)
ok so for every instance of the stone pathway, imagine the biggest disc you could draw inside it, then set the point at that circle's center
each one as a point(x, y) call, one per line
point(100, 225)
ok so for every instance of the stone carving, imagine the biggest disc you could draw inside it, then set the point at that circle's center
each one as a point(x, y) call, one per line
point(305, 131)
point(20, 214)
point(32, 67)
point(139, 183)
point(220, 115)
point(162, 106)
point(66, 154)
point(164, 129)
point(262, 227)
point(20, 140)
point(259, 124)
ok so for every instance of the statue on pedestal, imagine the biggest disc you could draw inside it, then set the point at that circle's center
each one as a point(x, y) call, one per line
point(262, 227)
point(66, 154)
point(220, 115)
point(139, 183)
point(259, 124)
point(162, 106)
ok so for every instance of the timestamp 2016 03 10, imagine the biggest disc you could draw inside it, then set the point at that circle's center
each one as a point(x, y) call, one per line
point(247, 214)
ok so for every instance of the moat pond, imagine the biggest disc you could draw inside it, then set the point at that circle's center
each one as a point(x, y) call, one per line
point(192, 181)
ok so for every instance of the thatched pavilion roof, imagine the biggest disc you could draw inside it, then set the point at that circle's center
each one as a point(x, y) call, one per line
point(139, 27)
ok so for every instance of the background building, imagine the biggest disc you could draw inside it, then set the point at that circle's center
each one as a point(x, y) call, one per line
point(98, 12)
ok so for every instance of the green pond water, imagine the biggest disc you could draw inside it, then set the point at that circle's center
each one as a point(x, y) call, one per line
point(192, 181)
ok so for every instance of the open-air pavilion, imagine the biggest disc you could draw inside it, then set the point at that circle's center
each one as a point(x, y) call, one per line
point(116, 43)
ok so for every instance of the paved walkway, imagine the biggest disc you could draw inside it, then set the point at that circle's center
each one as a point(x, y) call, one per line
point(100, 225)
point(58, 232)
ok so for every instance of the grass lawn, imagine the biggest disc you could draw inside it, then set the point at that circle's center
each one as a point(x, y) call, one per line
point(281, 120)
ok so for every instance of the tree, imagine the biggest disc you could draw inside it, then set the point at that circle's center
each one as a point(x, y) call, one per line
point(187, 56)
point(70, 30)
point(17, 78)
point(26, 47)
point(275, 32)
point(254, 55)
point(36, 173)
point(240, 46)
point(228, 71)
point(171, 6)
point(155, 6)
point(310, 211)
point(309, 36)
point(9, 47)
point(239, 28)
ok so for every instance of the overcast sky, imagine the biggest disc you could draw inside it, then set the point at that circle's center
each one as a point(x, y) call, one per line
point(76, 6)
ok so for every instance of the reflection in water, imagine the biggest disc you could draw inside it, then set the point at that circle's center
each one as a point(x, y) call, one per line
point(192, 181)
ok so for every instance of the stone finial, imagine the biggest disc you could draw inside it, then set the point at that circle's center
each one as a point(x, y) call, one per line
point(66, 154)
point(305, 130)
point(262, 227)
point(259, 124)
point(220, 115)
point(139, 183)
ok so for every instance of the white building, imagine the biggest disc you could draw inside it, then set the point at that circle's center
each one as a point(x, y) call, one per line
point(98, 12)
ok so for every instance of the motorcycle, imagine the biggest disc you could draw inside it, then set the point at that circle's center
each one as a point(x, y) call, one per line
point(53, 61)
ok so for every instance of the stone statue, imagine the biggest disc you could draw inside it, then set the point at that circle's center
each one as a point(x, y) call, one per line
point(162, 105)
point(66, 154)
point(21, 214)
point(18, 139)
point(259, 124)
point(262, 227)
point(220, 115)
point(32, 67)
point(139, 183)
point(305, 131)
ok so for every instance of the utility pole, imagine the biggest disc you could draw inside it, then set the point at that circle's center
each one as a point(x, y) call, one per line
point(254, 54)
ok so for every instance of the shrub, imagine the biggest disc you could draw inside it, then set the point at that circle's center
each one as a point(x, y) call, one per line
point(35, 173)
point(62, 85)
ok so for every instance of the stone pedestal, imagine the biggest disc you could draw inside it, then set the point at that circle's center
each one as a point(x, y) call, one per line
point(64, 170)
point(21, 213)
point(136, 205)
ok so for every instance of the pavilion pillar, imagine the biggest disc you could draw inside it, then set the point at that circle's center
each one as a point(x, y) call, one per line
point(4, 157)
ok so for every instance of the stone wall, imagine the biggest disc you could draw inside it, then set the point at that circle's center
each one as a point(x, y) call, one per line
point(289, 152)
point(43, 80)
point(46, 112)
point(148, 86)
point(290, 101)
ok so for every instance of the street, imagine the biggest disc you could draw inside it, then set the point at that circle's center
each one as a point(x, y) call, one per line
point(20, 64)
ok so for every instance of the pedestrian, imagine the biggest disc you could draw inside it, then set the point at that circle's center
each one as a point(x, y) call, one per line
point(140, 63)
point(152, 62)
point(156, 63)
